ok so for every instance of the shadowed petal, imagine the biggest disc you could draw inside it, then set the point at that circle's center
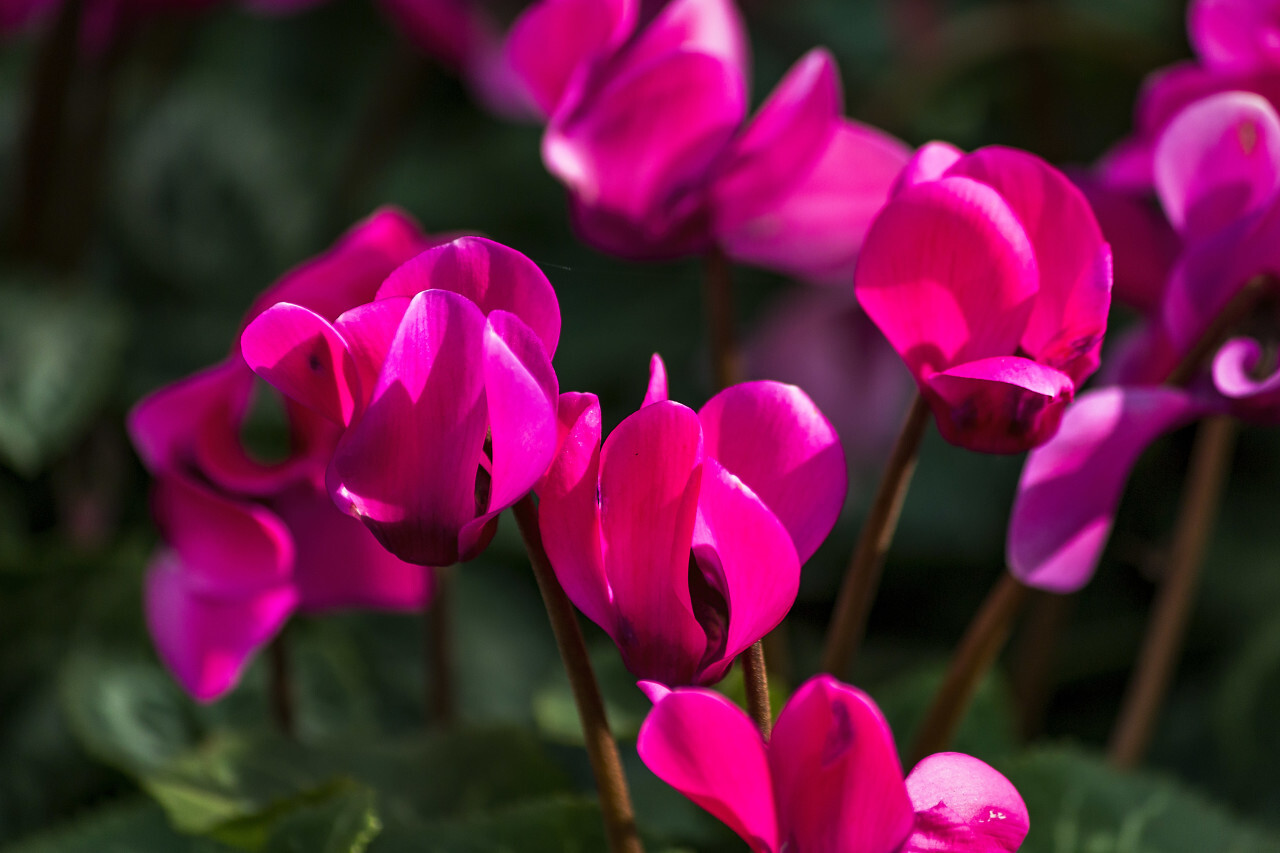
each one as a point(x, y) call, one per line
point(368, 331)
point(1065, 330)
point(407, 468)
point(964, 806)
point(836, 774)
point(569, 510)
point(650, 472)
point(298, 352)
point(948, 274)
point(705, 747)
point(206, 642)
point(1070, 487)
point(1217, 161)
point(752, 557)
point(710, 27)
point(999, 405)
point(815, 230)
point(775, 440)
point(1143, 245)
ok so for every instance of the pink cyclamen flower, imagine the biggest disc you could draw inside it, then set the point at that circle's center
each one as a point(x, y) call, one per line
point(442, 386)
point(988, 274)
point(247, 542)
point(645, 129)
point(683, 534)
point(829, 779)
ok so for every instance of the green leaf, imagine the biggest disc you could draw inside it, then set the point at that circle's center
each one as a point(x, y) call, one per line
point(556, 712)
point(131, 828)
point(1078, 803)
point(59, 350)
point(560, 824)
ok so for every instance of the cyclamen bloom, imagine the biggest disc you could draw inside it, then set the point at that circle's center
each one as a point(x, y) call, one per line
point(988, 274)
point(248, 543)
point(442, 387)
point(645, 129)
point(683, 534)
point(829, 780)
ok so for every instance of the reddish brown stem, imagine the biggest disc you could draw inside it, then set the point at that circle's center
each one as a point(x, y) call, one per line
point(756, 679)
point(602, 750)
point(861, 580)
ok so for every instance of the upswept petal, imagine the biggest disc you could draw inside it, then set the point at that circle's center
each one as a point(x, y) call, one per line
point(303, 356)
point(368, 331)
point(493, 276)
point(929, 163)
point(836, 774)
point(705, 747)
point(425, 423)
point(815, 231)
point(1218, 160)
point(1235, 34)
point(741, 541)
point(1004, 404)
point(650, 474)
point(207, 642)
point(711, 27)
point(339, 565)
point(227, 548)
point(1071, 486)
point(773, 438)
point(948, 274)
point(648, 137)
point(569, 510)
point(656, 392)
point(781, 144)
point(1234, 377)
point(964, 806)
point(349, 274)
point(553, 39)
point(1070, 316)
point(521, 391)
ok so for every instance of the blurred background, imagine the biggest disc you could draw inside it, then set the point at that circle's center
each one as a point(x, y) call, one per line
point(203, 155)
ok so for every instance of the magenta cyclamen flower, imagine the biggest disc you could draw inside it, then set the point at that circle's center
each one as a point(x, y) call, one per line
point(442, 386)
point(645, 129)
point(988, 274)
point(683, 534)
point(248, 543)
point(829, 780)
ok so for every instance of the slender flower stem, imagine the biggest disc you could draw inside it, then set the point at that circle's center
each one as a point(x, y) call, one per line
point(978, 649)
point(756, 679)
point(1210, 461)
point(602, 750)
point(862, 578)
point(440, 705)
point(1033, 660)
point(281, 686)
point(1240, 306)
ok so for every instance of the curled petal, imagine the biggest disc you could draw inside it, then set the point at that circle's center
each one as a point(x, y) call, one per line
point(650, 475)
point(1071, 486)
point(1066, 328)
point(407, 468)
point(815, 230)
point(207, 641)
point(750, 552)
point(303, 356)
point(836, 774)
point(1235, 377)
point(553, 39)
point(569, 510)
point(657, 390)
point(349, 273)
point(962, 804)
point(340, 564)
point(782, 142)
point(948, 274)
point(774, 439)
point(228, 548)
point(999, 405)
point(493, 276)
point(1217, 161)
point(929, 163)
point(705, 747)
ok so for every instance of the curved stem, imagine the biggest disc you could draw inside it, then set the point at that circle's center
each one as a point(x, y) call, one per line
point(1166, 629)
point(978, 649)
point(861, 580)
point(602, 750)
